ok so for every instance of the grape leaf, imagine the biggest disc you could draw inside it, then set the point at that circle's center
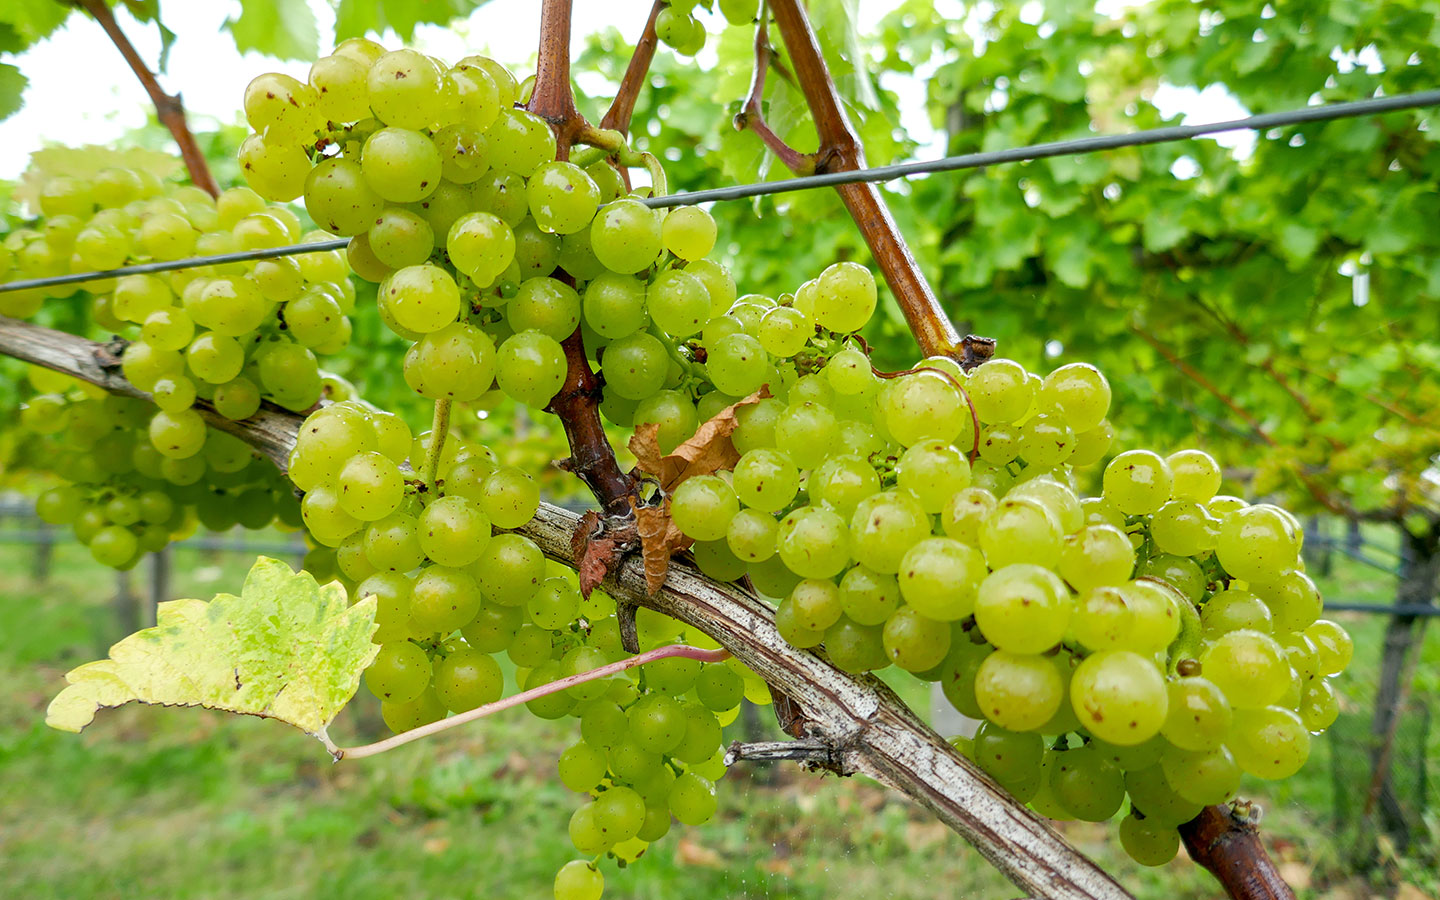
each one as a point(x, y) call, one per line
point(283, 28)
point(286, 648)
point(12, 87)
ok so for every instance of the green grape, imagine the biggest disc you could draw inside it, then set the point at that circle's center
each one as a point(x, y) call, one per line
point(1257, 544)
point(453, 531)
point(1119, 696)
point(702, 735)
point(784, 331)
point(1081, 392)
point(1091, 446)
point(404, 89)
point(688, 232)
point(562, 197)
point(59, 505)
point(620, 811)
point(579, 879)
point(1293, 600)
point(114, 546)
point(1332, 644)
point(1020, 692)
point(1000, 444)
point(510, 569)
point(1021, 530)
point(144, 365)
point(179, 434)
point(340, 199)
point(586, 832)
point(925, 405)
point(813, 542)
point(1156, 619)
point(715, 559)
point(531, 646)
point(545, 305)
point(477, 96)
point(964, 513)
point(1184, 528)
point(1198, 716)
point(751, 535)
point(280, 107)
point(940, 578)
point(1248, 667)
point(635, 365)
point(173, 395)
point(1148, 842)
point(849, 371)
point(371, 486)
point(531, 368)
point(679, 304)
point(167, 329)
point(1023, 608)
point(884, 527)
point(766, 479)
point(444, 599)
point(674, 415)
point(1180, 572)
point(603, 725)
point(1196, 475)
point(841, 482)
point(854, 647)
point(845, 297)
point(399, 238)
point(510, 497)
point(393, 543)
point(657, 723)
point(493, 628)
point(868, 597)
point(737, 364)
point(1233, 610)
point(1096, 555)
point(814, 605)
point(807, 432)
point(421, 298)
point(402, 717)
point(400, 165)
point(481, 245)
point(1319, 707)
point(457, 362)
point(692, 799)
point(1001, 391)
point(467, 678)
point(702, 507)
point(339, 82)
point(934, 472)
point(1012, 758)
point(548, 706)
point(914, 642)
point(554, 605)
point(520, 142)
point(755, 424)
point(718, 688)
point(614, 305)
point(1086, 784)
point(400, 673)
point(626, 236)
point(1137, 482)
point(1151, 794)
point(1046, 441)
point(1269, 742)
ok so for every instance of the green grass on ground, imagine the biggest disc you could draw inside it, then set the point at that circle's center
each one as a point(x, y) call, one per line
point(159, 803)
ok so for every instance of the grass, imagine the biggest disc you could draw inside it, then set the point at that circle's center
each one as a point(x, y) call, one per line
point(157, 803)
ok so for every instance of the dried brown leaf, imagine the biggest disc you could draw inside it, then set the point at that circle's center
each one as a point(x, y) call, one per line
point(659, 540)
point(708, 450)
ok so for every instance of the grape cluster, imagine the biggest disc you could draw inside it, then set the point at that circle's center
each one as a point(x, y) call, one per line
point(1156, 641)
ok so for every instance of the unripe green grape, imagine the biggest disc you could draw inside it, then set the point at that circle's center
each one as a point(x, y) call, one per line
point(842, 482)
point(114, 546)
point(673, 412)
point(1137, 482)
point(400, 165)
point(1319, 707)
point(925, 405)
point(1000, 444)
point(494, 627)
point(702, 507)
point(340, 88)
point(402, 717)
point(845, 297)
point(554, 605)
point(1000, 391)
point(179, 434)
point(481, 245)
point(615, 305)
point(226, 453)
point(467, 678)
point(393, 543)
point(477, 95)
point(531, 646)
point(884, 527)
point(404, 89)
point(281, 107)
point(784, 331)
point(1156, 620)
point(371, 486)
point(766, 479)
point(1091, 446)
point(586, 833)
point(1023, 608)
point(519, 141)
point(173, 394)
point(1096, 555)
point(692, 799)
point(807, 431)
point(562, 197)
point(1081, 392)
point(1046, 441)
point(400, 673)
point(849, 371)
point(1248, 667)
point(702, 735)
point(1196, 475)
point(59, 505)
point(290, 374)
point(1012, 758)
point(399, 237)
point(1257, 544)
point(1293, 600)
point(421, 298)
point(688, 232)
point(1119, 696)
point(340, 199)
point(626, 236)
point(934, 472)
point(1332, 645)
point(635, 365)
point(1148, 842)
point(716, 560)
point(531, 368)
point(582, 767)
point(737, 364)
point(678, 303)
point(510, 569)
point(854, 647)
point(1020, 530)
point(167, 236)
point(913, 641)
point(1270, 742)
point(1019, 692)
point(1233, 610)
point(545, 305)
point(940, 578)
point(1086, 784)
point(1184, 528)
point(502, 194)
point(444, 599)
point(965, 511)
point(751, 535)
point(1179, 572)
point(814, 605)
point(813, 542)
point(457, 362)
point(657, 723)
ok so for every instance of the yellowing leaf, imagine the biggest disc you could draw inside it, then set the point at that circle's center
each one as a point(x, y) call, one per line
point(286, 648)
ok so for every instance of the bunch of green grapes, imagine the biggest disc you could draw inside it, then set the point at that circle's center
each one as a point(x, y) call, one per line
point(121, 496)
point(1157, 641)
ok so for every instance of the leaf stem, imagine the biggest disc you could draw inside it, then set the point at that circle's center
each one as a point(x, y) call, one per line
point(168, 108)
point(670, 651)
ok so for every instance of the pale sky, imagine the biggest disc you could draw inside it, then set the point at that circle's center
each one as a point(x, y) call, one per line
point(81, 91)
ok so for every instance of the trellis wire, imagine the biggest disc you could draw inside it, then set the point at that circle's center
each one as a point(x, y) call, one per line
point(1323, 113)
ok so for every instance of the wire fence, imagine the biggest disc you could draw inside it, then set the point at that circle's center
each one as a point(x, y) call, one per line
point(875, 174)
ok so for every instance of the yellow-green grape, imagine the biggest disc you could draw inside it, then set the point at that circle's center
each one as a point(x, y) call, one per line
point(1198, 716)
point(1332, 644)
point(1293, 600)
point(1091, 446)
point(1157, 619)
point(579, 879)
point(913, 641)
point(1001, 391)
point(1151, 794)
point(1096, 555)
point(845, 297)
point(925, 405)
point(1081, 392)
point(467, 678)
point(1319, 707)
point(444, 599)
point(884, 527)
point(1137, 482)
point(1232, 610)
point(402, 717)
point(280, 107)
point(1103, 619)
point(453, 531)
point(702, 507)
point(1023, 608)
point(934, 472)
point(688, 232)
point(421, 298)
point(400, 165)
point(940, 577)
point(371, 486)
point(1019, 692)
point(1021, 530)
point(1257, 544)
point(1085, 783)
point(626, 236)
point(1148, 842)
point(393, 543)
point(1196, 475)
point(1248, 667)
point(1119, 696)
point(1269, 742)
point(813, 542)
point(400, 673)
point(964, 513)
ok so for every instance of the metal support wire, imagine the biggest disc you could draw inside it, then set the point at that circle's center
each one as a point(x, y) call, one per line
point(1323, 113)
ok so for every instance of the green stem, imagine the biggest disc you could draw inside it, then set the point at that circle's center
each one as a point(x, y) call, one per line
point(439, 430)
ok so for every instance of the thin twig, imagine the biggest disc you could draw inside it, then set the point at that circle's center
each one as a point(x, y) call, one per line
point(622, 108)
point(168, 108)
point(671, 651)
point(752, 115)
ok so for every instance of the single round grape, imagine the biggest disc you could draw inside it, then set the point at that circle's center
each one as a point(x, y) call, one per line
point(1196, 475)
point(509, 570)
point(1046, 441)
point(1332, 644)
point(925, 405)
point(113, 546)
point(1293, 600)
point(1198, 716)
point(940, 577)
point(688, 232)
point(400, 238)
point(766, 479)
point(400, 165)
point(751, 535)
point(1137, 482)
point(1000, 390)
point(1023, 608)
point(854, 647)
point(614, 305)
point(453, 531)
point(1270, 742)
point(579, 879)
point(692, 799)
point(964, 513)
point(737, 364)
point(934, 472)
point(1248, 667)
point(520, 141)
point(702, 507)
point(562, 197)
point(914, 642)
point(1019, 692)
point(400, 673)
point(868, 597)
point(481, 245)
point(393, 542)
point(1257, 544)
point(813, 542)
point(1148, 842)
point(1233, 610)
point(635, 365)
point(1087, 784)
point(626, 236)
point(1081, 392)
point(421, 298)
point(531, 368)
point(586, 833)
point(884, 527)
point(841, 482)
point(1012, 758)
point(1119, 696)
point(468, 678)
point(402, 717)
point(443, 599)
point(845, 297)
point(1021, 530)
point(1319, 707)
point(371, 486)
point(1184, 528)
point(1096, 555)
point(672, 413)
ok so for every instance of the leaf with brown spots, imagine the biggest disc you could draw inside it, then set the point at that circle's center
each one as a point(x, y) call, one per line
point(659, 540)
point(708, 450)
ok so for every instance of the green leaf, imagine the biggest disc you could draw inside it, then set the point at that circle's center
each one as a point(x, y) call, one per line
point(286, 648)
point(12, 86)
point(30, 20)
point(283, 28)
